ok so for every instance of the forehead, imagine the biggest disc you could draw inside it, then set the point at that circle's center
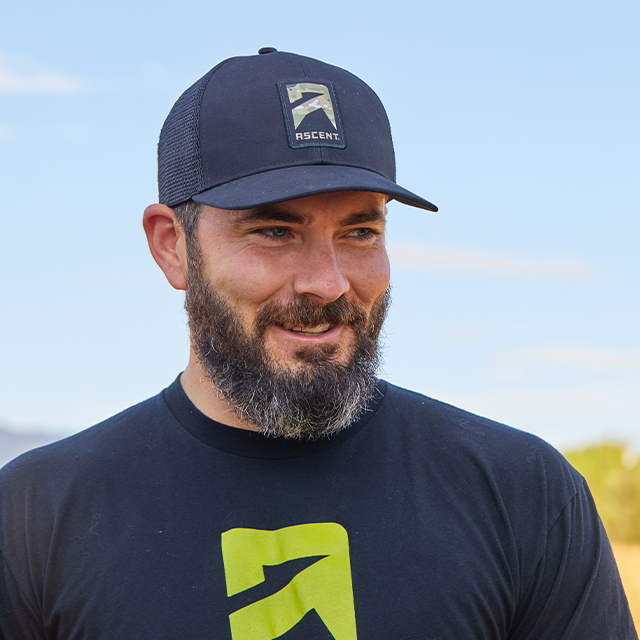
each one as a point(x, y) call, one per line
point(348, 207)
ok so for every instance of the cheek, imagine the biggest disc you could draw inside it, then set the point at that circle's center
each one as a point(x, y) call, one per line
point(247, 279)
point(370, 278)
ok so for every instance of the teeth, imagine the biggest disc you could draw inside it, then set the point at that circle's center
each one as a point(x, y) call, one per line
point(308, 331)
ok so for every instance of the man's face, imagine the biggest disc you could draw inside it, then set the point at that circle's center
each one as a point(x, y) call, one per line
point(285, 307)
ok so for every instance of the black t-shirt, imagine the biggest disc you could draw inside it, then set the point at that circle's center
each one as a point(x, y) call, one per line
point(419, 521)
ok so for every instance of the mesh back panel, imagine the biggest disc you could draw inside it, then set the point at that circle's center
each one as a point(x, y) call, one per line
point(179, 163)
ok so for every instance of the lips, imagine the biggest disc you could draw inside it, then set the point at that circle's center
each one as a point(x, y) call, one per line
point(308, 331)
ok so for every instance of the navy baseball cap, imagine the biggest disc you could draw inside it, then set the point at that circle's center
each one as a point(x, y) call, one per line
point(257, 130)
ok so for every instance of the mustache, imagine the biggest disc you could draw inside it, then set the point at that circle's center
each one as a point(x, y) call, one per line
point(303, 312)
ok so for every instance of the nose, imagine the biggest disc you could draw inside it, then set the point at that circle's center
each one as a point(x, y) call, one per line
point(319, 275)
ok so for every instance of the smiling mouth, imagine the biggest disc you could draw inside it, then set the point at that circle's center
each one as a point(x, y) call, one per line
point(316, 330)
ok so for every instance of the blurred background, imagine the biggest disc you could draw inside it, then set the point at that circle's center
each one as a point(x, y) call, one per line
point(518, 300)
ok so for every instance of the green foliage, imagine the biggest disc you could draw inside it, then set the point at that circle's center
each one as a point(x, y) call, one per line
point(613, 473)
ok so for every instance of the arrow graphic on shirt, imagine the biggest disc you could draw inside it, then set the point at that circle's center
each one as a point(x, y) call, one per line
point(324, 586)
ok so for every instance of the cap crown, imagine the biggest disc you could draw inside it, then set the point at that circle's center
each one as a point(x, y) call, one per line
point(255, 114)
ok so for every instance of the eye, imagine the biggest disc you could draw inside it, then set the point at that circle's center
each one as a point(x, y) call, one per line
point(275, 232)
point(362, 232)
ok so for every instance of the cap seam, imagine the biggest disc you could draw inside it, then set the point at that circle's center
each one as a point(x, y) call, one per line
point(318, 149)
point(201, 124)
point(291, 166)
point(292, 57)
point(386, 116)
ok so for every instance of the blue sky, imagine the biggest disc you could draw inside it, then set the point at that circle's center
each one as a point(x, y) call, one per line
point(518, 300)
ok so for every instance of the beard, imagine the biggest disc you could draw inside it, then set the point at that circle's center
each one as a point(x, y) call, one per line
point(323, 393)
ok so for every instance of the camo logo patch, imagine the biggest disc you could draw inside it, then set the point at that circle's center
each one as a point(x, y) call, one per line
point(311, 114)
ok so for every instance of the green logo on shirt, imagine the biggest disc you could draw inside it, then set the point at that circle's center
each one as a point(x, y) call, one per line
point(324, 586)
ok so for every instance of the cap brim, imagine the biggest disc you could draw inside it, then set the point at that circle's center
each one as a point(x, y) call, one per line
point(289, 183)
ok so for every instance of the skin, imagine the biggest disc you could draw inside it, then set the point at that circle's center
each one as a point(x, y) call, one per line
point(321, 247)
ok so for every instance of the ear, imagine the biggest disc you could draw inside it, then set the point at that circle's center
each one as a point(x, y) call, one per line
point(167, 243)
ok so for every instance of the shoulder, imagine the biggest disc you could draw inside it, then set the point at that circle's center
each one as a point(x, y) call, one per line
point(59, 486)
point(438, 419)
point(435, 420)
point(101, 445)
point(516, 465)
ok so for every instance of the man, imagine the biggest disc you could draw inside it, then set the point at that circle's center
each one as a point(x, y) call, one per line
point(278, 489)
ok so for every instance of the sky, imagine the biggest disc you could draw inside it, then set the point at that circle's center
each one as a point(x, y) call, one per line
point(518, 300)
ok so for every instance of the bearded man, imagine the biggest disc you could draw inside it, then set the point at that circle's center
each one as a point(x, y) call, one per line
point(278, 488)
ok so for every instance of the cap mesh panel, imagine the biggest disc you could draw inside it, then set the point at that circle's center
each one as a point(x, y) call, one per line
point(179, 162)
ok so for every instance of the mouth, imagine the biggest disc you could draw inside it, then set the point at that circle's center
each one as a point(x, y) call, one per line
point(316, 330)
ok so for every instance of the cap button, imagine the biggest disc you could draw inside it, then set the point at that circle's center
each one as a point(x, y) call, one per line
point(266, 50)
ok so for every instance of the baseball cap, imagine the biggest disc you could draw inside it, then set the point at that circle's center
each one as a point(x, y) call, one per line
point(262, 129)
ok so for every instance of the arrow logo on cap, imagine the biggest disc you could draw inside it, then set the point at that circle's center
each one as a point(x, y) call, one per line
point(307, 97)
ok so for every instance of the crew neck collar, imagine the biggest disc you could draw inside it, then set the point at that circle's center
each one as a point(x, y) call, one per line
point(251, 444)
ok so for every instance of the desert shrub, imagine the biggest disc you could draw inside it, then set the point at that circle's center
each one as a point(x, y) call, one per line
point(613, 473)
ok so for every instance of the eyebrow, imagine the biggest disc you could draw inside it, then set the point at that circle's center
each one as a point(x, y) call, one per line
point(273, 213)
point(371, 215)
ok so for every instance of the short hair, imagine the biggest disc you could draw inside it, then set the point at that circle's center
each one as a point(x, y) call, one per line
point(188, 215)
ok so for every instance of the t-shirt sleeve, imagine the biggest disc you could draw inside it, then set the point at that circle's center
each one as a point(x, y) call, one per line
point(20, 610)
point(18, 620)
point(575, 592)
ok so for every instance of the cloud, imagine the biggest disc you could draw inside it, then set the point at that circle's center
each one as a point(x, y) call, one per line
point(579, 357)
point(422, 256)
point(22, 82)
point(5, 132)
